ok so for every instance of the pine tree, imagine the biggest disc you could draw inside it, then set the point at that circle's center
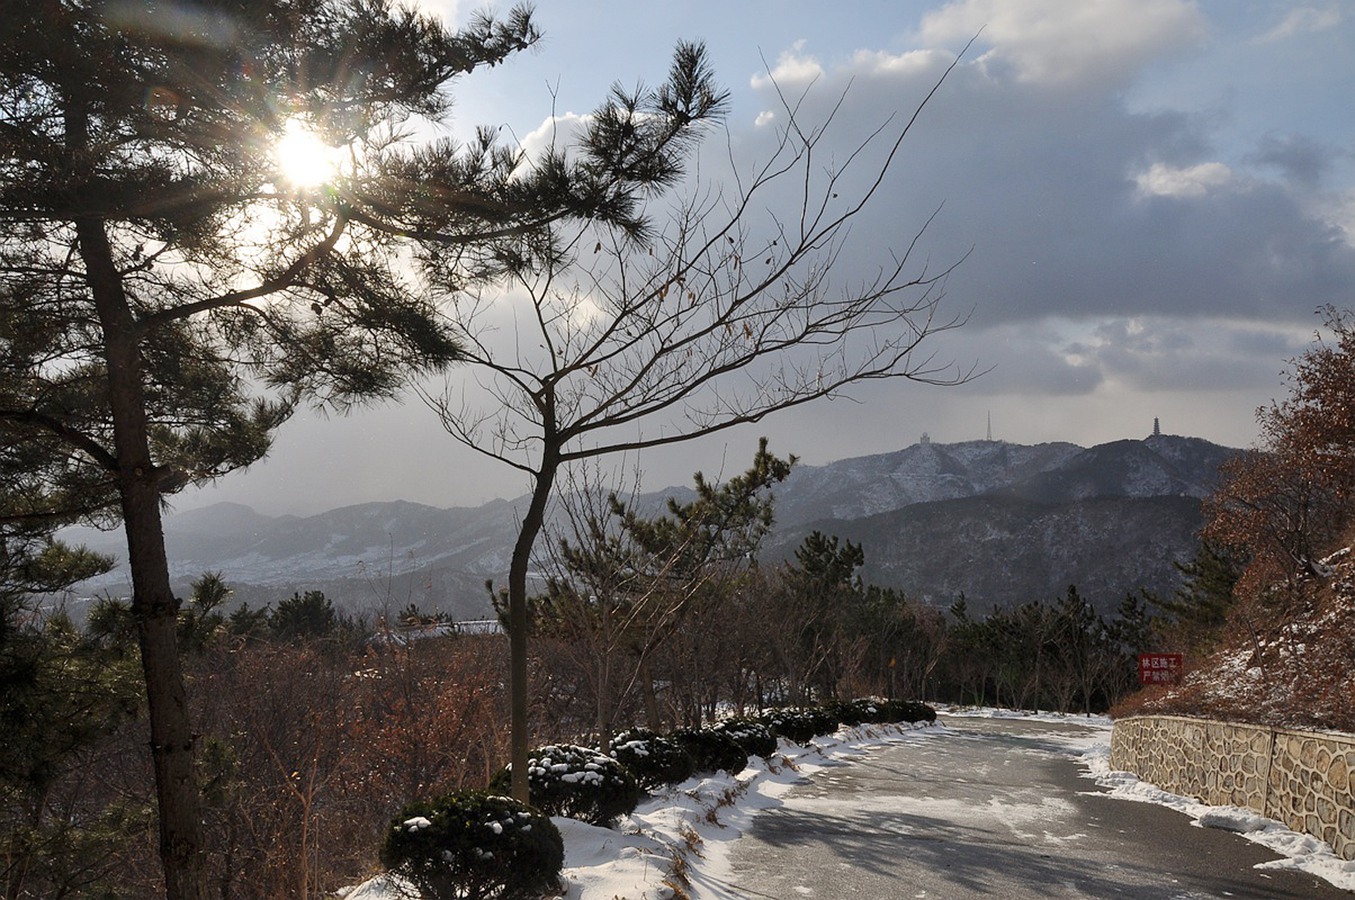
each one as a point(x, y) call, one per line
point(628, 582)
point(63, 693)
point(158, 264)
point(824, 592)
point(1198, 610)
point(308, 615)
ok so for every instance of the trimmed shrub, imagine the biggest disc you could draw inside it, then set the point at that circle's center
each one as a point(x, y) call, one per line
point(799, 724)
point(753, 736)
point(855, 712)
point(907, 711)
point(473, 844)
point(713, 751)
point(654, 760)
point(573, 781)
point(825, 721)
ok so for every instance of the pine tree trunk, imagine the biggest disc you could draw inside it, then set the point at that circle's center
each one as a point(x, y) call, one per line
point(532, 522)
point(154, 606)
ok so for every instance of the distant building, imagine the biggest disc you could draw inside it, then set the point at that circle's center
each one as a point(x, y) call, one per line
point(480, 626)
point(1157, 427)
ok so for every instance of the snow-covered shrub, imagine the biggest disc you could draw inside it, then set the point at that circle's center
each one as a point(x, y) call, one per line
point(906, 711)
point(653, 759)
point(797, 723)
point(714, 751)
point(473, 844)
point(753, 736)
point(578, 782)
point(853, 712)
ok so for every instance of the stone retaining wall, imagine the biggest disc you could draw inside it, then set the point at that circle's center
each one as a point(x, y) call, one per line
point(1302, 779)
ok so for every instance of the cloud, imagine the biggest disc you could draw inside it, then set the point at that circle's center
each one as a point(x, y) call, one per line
point(1074, 205)
point(1069, 45)
point(1147, 202)
point(1203, 355)
point(1162, 180)
point(1028, 359)
point(1303, 21)
point(1065, 358)
point(909, 63)
point(1298, 157)
point(793, 69)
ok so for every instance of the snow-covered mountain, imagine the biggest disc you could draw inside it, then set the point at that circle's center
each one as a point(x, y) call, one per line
point(363, 556)
point(1162, 465)
point(1002, 522)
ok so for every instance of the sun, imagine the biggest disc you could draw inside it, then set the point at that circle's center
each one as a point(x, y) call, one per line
point(303, 159)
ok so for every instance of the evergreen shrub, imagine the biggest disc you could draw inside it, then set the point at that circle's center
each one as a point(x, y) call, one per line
point(864, 711)
point(573, 781)
point(798, 723)
point(654, 760)
point(753, 736)
point(713, 751)
point(474, 844)
point(911, 711)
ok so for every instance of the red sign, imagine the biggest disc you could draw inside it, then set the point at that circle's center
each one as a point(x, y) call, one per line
point(1160, 668)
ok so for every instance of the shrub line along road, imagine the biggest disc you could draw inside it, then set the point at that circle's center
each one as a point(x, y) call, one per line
point(993, 808)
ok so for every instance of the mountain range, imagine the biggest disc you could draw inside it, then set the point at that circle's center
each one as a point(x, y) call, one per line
point(1001, 523)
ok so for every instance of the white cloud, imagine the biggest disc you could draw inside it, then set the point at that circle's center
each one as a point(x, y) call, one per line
point(1068, 44)
point(555, 132)
point(1162, 180)
point(793, 67)
point(1302, 21)
point(913, 62)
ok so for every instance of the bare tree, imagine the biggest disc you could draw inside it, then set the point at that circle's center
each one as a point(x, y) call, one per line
point(720, 319)
point(607, 603)
point(623, 582)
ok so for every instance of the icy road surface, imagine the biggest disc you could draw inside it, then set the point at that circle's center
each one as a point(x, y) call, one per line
point(994, 808)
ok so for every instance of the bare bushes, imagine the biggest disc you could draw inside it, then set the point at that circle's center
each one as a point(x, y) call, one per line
point(318, 745)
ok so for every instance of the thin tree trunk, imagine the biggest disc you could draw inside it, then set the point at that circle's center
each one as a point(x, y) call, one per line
point(605, 712)
point(532, 522)
point(655, 720)
point(154, 607)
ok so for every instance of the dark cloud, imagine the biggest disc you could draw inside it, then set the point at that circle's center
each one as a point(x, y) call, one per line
point(1075, 207)
point(1297, 157)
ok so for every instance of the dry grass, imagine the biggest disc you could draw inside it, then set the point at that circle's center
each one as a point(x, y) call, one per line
point(1288, 660)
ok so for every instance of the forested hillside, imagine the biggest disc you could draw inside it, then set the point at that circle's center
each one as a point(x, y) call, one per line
point(1001, 523)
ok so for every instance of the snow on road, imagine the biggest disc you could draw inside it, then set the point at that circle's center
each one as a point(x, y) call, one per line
point(682, 838)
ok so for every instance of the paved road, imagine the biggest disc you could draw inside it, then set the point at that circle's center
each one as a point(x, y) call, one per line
point(993, 808)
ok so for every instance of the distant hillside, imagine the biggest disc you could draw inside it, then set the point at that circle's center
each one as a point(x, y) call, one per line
point(922, 473)
point(1001, 550)
point(1005, 523)
point(1162, 465)
point(366, 556)
point(1002, 523)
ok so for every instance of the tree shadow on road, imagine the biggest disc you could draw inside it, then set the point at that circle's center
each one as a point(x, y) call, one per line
point(903, 847)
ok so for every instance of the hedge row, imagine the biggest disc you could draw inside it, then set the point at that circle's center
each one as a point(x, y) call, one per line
point(478, 844)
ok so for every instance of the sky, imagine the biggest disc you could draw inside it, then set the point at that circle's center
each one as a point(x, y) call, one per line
point(1150, 201)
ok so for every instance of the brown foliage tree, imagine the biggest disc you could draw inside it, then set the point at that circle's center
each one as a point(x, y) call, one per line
point(1287, 504)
